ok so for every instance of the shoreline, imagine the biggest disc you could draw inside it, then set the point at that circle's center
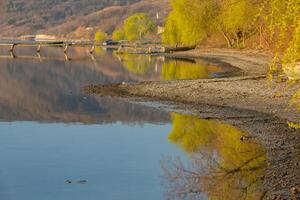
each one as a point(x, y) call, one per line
point(247, 101)
point(249, 89)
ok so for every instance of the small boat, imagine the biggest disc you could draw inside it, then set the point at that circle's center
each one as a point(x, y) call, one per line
point(55, 42)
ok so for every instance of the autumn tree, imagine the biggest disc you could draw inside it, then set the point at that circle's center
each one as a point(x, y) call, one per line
point(138, 26)
point(237, 20)
point(189, 22)
point(118, 34)
point(100, 36)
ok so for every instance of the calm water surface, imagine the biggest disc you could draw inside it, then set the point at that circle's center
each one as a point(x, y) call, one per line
point(108, 148)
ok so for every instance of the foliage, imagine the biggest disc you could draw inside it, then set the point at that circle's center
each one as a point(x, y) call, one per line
point(138, 26)
point(284, 29)
point(136, 64)
point(189, 21)
point(100, 36)
point(176, 70)
point(222, 166)
point(236, 20)
point(118, 34)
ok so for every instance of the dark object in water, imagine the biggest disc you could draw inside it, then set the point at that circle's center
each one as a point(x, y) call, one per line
point(68, 181)
point(82, 181)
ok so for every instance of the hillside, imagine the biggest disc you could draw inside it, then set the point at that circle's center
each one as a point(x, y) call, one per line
point(64, 16)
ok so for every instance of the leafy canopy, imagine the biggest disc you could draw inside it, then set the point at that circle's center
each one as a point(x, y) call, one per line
point(100, 36)
point(118, 34)
point(138, 26)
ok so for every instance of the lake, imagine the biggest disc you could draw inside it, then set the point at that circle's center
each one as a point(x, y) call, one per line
point(56, 142)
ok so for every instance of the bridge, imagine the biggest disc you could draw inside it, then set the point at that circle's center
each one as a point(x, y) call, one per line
point(65, 45)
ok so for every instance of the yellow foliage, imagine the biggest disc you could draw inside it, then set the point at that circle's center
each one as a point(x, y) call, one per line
point(118, 34)
point(136, 64)
point(100, 36)
point(138, 26)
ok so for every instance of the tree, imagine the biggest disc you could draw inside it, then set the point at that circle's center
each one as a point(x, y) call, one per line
point(283, 21)
point(138, 26)
point(236, 20)
point(100, 36)
point(118, 34)
point(189, 22)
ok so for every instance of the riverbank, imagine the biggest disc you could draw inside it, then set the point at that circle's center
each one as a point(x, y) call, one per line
point(251, 90)
point(248, 101)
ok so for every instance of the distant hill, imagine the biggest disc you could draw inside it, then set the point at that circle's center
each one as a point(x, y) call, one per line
point(19, 17)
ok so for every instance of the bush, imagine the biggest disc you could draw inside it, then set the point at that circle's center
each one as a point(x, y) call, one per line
point(118, 34)
point(100, 36)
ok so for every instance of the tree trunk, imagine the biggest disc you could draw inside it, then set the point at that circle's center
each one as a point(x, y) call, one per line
point(229, 43)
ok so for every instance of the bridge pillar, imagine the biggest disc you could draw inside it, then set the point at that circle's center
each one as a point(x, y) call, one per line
point(12, 48)
point(92, 49)
point(38, 48)
point(66, 48)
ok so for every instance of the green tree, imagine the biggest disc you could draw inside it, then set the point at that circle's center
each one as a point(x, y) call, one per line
point(118, 34)
point(192, 21)
point(283, 21)
point(236, 20)
point(138, 26)
point(189, 22)
point(100, 36)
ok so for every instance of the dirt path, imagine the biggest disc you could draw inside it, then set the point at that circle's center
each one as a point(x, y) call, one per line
point(247, 101)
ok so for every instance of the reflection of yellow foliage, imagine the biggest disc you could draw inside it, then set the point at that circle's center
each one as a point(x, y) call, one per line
point(176, 70)
point(99, 51)
point(238, 167)
point(137, 64)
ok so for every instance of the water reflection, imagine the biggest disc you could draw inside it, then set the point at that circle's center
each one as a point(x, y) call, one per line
point(178, 69)
point(161, 68)
point(47, 86)
point(222, 166)
point(119, 161)
point(51, 89)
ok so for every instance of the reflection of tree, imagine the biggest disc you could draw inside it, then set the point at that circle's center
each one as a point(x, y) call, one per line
point(175, 69)
point(222, 166)
point(51, 90)
point(136, 64)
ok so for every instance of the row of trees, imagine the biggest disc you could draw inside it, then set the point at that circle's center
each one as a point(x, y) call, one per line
point(192, 21)
point(135, 27)
point(274, 23)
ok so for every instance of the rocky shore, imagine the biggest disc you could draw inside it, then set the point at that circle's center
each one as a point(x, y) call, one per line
point(247, 100)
